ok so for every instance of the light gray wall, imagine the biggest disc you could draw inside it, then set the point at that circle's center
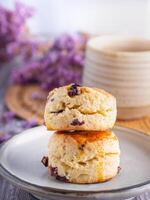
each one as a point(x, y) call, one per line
point(96, 16)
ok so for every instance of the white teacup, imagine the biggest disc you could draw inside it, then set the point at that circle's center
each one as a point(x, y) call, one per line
point(121, 65)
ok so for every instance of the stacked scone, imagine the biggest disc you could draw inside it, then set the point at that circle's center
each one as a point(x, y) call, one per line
point(83, 149)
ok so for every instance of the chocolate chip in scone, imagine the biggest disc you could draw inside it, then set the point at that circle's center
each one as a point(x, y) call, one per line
point(45, 161)
point(76, 122)
point(73, 90)
point(52, 99)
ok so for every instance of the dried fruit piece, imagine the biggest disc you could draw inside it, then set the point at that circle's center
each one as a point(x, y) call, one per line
point(54, 172)
point(81, 147)
point(45, 161)
point(62, 178)
point(73, 90)
point(57, 112)
point(76, 122)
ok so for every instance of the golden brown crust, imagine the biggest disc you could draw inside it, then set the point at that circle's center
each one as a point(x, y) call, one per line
point(88, 136)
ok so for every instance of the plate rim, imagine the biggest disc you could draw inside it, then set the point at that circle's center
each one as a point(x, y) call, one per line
point(41, 189)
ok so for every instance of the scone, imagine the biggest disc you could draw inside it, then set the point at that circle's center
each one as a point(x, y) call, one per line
point(83, 157)
point(80, 108)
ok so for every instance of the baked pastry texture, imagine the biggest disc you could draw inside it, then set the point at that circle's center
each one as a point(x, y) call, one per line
point(83, 157)
point(80, 108)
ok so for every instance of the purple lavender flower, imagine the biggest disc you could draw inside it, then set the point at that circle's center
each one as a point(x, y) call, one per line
point(64, 42)
point(27, 74)
point(4, 137)
point(62, 64)
point(12, 26)
point(7, 117)
point(38, 96)
point(29, 124)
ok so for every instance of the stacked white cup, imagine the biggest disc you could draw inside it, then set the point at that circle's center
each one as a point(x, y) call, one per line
point(121, 65)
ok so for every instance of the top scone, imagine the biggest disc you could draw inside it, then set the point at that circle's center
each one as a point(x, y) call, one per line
point(73, 107)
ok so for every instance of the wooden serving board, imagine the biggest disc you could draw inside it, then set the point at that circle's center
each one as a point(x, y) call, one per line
point(19, 100)
point(142, 125)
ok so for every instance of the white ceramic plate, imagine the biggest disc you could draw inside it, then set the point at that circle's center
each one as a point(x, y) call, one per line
point(20, 163)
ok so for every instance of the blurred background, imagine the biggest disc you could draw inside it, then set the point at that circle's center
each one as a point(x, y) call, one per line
point(97, 16)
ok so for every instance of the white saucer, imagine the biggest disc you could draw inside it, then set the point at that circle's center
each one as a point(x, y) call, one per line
point(20, 163)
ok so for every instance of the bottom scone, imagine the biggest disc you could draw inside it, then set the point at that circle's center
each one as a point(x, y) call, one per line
point(82, 157)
